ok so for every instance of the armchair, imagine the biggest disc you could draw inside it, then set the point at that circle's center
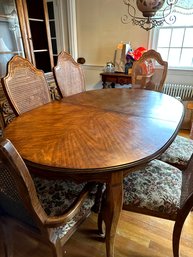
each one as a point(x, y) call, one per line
point(32, 207)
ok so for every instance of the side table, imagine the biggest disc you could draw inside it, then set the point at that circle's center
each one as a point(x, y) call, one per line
point(115, 78)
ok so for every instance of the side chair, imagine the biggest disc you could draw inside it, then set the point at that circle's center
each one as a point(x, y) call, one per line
point(150, 72)
point(69, 75)
point(25, 86)
point(160, 190)
point(33, 209)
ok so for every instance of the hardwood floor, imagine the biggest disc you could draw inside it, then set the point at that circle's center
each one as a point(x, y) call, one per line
point(137, 236)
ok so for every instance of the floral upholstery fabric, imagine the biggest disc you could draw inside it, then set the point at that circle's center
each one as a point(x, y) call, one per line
point(157, 187)
point(85, 210)
point(179, 152)
point(56, 196)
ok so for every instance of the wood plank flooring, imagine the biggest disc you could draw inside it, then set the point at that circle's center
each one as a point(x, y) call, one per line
point(137, 236)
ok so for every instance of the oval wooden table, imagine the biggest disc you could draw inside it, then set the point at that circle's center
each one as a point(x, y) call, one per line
point(98, 136)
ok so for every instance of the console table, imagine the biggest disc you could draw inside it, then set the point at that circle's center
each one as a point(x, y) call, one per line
point(115, 78)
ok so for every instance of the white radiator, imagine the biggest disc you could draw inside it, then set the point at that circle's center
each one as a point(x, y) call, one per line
point(183, 91)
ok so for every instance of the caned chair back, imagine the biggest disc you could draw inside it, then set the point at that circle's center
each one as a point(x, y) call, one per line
point(69, 75)
point(150, 71)
point(44, 211)
point(18, 198)
point(25, 86)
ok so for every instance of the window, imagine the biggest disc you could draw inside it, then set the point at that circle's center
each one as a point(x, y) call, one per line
point(175, 42)
point(56, 26)
point(51, 14)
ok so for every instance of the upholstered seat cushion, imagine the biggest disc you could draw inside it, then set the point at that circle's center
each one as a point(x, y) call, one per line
point(156, 187)
point(179, 152)
point(56, 196)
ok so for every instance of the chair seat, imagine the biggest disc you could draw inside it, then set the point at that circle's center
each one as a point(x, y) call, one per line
point(179, 152)
point(156, 187)
point(56, 196)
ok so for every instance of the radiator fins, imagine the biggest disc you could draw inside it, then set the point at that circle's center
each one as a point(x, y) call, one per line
point(179, 90)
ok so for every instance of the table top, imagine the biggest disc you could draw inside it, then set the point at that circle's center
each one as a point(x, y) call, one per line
point(99, 130)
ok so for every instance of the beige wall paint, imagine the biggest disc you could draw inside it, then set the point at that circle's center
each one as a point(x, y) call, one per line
point(99, 30)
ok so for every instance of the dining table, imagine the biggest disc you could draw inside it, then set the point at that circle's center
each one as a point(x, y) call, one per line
point(98, 135)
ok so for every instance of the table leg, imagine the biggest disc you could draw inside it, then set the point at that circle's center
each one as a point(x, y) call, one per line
point(112, 209)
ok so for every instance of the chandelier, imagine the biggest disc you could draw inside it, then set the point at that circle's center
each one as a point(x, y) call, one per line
point(155, 13)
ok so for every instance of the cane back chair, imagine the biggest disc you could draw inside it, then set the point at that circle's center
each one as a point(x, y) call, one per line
point(69, 75)
point(25, 86)
point(36, 209)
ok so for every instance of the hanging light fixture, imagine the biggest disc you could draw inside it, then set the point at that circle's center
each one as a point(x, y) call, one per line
point(155, 13)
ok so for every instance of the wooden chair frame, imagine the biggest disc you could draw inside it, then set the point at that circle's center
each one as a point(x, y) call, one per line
point(150, 54)
point(25, 86)
point(69, 75)
point(27, 192)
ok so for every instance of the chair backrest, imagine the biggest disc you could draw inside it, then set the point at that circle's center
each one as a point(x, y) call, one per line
point(50, 218)
point(25, 86)
point(150, 71)
point(18, 198)
point(69, 75)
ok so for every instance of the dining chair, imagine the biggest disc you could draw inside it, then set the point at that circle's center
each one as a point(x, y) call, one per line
point(69, 75)
point(160, 190)
point(48, 214)
point(150, 72)
point(178, 153)
point(25, 86)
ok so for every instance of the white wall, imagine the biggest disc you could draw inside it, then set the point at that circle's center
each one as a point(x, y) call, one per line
point(180, 77)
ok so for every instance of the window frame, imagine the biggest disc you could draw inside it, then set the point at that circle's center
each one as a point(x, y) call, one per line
point(153, 43)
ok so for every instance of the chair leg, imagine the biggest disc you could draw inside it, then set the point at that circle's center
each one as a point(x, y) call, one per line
point(176, 241)
point(177, 232)
point(100, 224)
point(57, 249)
point(99, 196)
point(100, 215)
